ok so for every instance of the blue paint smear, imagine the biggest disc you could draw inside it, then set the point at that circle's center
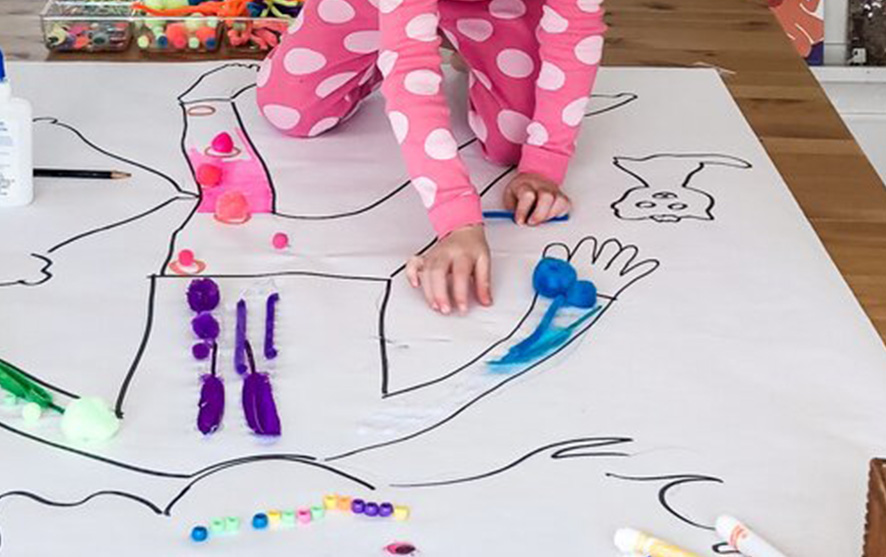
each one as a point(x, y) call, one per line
point(544, 340)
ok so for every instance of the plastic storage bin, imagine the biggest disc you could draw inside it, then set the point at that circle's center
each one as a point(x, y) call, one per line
point(86, 26)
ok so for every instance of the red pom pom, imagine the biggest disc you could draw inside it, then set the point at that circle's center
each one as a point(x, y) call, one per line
point(209, 175)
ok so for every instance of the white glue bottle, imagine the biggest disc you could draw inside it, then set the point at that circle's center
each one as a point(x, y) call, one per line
point(16, 157)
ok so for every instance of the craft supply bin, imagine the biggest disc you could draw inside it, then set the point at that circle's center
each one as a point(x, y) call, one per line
point(176, 34)
point(86, 26)
point(254, 33)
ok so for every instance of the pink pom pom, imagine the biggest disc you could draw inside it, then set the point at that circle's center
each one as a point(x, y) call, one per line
point(186, 258)
point(280, 240)
point(232, 208)
point(209, 175)
point(223, 143)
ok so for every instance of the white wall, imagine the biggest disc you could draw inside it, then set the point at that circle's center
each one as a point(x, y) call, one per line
point(835, 16)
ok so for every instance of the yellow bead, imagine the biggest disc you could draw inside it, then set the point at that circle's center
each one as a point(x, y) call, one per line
point(330, 502)
point(274, 518)
point(401, 513)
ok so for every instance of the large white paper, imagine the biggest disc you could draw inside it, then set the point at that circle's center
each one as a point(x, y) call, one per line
point(729, 371)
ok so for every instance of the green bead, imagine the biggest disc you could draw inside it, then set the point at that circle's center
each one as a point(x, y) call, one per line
point(144, 42)
point(212, 22)
point(288, 518)
point(217, 525)
point(194, 43)
point(194, 22)
point(232, 524)
point(9, 400)
point(317, 512)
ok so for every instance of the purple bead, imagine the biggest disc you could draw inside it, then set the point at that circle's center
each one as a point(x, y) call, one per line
point(201, 350)
point(371, 509)
point(357, 506)
point(385, 510)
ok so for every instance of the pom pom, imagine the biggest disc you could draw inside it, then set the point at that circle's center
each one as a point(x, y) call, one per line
point(582, 294)
point(201, 351)
point(209, 175)
point(280, 240)
point(553, 277)
point(186, 258)
point(89, 419)
point(203, 295)
point(205, 326)
point(222, 143)
point(232, 208)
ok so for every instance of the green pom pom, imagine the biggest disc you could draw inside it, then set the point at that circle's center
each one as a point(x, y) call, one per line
point(89, 419)
point(156, 4)
point(31, 413)
point(173, 4)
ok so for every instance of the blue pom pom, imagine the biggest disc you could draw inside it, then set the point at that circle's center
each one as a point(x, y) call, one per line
point(582, 294)
point(199, 534)
point(553, 277)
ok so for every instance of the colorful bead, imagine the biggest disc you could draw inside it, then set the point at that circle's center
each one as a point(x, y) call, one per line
point(287, 519)
point(344, 504)
point(144, 42)
point(260, 521)
point(199, 534)
point(193, 43)
point(223, 143)
point(9, 400)
point(385, 510)
point(400, 548)
point(330, 502)
point(358, 506)
point(401, 513)
point(232, 524)
point(317, 512)
point(217, 526)
point(304, 516)
point(186, 258)
point(371, 509)
point(274, 518)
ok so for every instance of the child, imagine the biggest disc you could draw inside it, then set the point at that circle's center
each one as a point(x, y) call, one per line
point(532, 64)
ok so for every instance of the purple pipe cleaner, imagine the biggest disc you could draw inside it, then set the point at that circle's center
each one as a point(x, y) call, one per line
point(212, 399)
point(270, 315)
point(258, 401)
point(240, 339)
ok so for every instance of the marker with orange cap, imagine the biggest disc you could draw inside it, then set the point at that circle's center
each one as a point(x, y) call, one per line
point(741, 538)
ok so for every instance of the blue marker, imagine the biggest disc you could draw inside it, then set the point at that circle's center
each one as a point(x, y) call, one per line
point(509, 215)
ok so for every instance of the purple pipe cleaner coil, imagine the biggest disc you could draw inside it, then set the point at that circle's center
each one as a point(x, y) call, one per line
point(270, 317)
point(212, 404)
point(203, 295)
point(212, 399)
point(258, 401)
point(205, 326)
point(240, 339)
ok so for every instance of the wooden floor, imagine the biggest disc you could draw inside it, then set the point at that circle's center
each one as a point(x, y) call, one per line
point(837, 188)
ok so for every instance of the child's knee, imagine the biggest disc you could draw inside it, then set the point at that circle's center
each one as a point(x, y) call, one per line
point(502, 152)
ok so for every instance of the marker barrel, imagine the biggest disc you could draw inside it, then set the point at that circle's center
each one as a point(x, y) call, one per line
point(741, 538)
point(632, 541)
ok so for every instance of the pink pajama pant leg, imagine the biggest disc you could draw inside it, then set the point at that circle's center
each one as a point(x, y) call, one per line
point(322, 69)
point(497, 39)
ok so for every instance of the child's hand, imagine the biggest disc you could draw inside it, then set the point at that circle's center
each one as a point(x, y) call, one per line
point(453, 260)
point(534, 199)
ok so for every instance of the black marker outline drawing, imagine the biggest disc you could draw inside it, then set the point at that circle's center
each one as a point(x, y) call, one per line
point(628, 266)
point(637, 204)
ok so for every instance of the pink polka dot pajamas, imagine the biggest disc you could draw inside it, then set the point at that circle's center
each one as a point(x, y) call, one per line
point(533, 64)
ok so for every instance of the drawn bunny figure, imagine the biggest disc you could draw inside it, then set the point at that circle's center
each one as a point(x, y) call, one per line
point(671, 198)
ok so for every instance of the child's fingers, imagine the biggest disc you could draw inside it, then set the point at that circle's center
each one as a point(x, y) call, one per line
point(509, 199)
point(482, 281)
point(542, 210)
point(413, 269)
point(561, 207)
point(428, 291)
point(440, 288)
point(462, 269)
point(525, 201)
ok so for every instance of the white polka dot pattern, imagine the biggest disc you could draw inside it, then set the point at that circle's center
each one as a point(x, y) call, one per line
point(440, 145)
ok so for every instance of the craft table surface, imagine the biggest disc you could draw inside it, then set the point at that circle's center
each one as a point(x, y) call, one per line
point(827, 171)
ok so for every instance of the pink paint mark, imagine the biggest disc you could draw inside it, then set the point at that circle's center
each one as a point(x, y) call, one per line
point(244, 174)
